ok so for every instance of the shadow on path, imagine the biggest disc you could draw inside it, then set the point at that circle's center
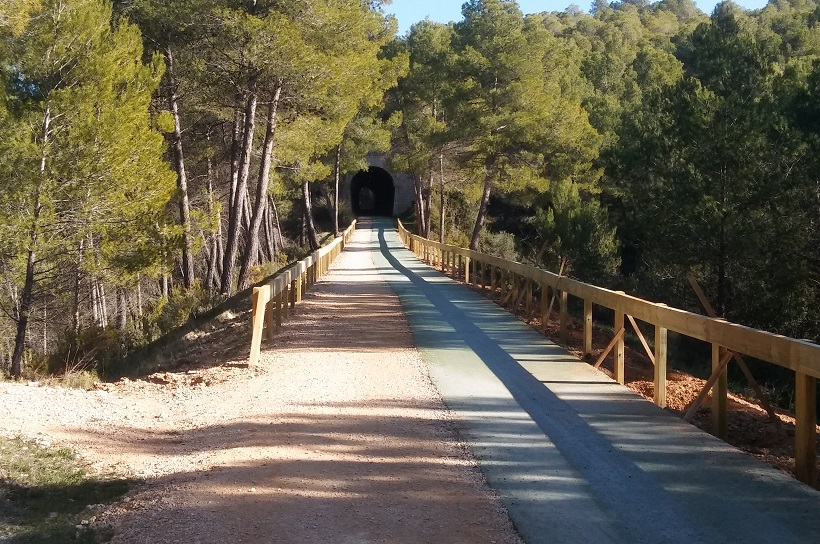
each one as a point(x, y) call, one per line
point(574, 455)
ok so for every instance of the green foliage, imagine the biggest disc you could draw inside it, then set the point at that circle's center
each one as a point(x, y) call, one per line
point(577, 235)
point(708, 170)
point(170, 313)
point(85, 183)
point(499, 244)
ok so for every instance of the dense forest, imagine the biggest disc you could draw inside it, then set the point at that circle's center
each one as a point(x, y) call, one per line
point(156, 157)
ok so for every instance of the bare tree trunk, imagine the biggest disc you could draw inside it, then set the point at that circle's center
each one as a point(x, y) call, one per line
point(95, 304)
point(313, 240)
point(139, 296)
point(252, 244)
point(246, 212)
point(441, 198)
point(428, 209)
point(75, 314)
point(232, 245)
point(337, 167)
point(166, 291)
point(482, 210)
point(45, 328)
point(27, 296)
point(270, 242)
point(419, 205)
point(236, 154)
point(103, 305)
point(182, 177)
point(278, 232)
point(122, 309)
point(215, 253)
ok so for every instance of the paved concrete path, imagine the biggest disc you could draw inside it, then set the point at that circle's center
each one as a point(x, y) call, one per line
point(575, 456)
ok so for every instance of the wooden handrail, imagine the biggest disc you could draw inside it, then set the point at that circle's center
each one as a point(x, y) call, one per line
point(271, 300)
point(801, 356)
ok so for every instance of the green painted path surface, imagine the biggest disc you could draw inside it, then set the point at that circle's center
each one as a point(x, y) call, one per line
point(575, 456)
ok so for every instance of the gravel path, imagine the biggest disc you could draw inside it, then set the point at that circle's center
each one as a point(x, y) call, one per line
point(336, 436)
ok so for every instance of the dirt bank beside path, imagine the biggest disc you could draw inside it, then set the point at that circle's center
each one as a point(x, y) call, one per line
point(336, 436)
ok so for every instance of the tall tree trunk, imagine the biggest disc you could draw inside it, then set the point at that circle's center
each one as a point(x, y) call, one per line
point(482, 210)
point(308, 210)
point(267, 226)
point(428, 209)
point(215, 253)
point(252, 241)
point(419, 205)
point(103, 304)
point(182, 177)
point(276, 223)
point(337, 167)
point(236, 153)
point(27, 296)
point(441, 198)
point(75, 314)
point(232, 245)
point(139, 295)
point(122, 309)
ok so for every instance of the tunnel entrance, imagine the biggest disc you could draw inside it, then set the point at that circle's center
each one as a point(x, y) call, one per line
point(372, 192)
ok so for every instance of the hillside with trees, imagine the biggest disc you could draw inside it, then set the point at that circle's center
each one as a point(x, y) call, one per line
point(157, 157)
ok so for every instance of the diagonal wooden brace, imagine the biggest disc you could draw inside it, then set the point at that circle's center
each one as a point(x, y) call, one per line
point(642, 339)
point(610, 347)
point(690, 413)
point(710, 311)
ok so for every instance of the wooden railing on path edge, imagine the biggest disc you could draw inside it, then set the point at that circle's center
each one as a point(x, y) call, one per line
point(273, 301)
point(512, 278)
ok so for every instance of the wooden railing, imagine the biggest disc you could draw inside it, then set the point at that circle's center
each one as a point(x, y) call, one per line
point(273, 301)
point(514, 281)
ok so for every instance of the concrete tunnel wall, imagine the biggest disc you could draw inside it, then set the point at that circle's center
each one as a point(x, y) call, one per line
point(393, 193)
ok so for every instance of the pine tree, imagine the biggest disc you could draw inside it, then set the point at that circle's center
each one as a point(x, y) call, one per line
point(83, 165)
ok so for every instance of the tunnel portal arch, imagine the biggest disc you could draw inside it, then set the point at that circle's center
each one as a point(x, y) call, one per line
point(372, 192)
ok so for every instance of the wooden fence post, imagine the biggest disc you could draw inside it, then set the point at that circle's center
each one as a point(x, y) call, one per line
point(279, 309)
point(564, 322)
point(258, 301)
point(660, 365)
point(805, 433)
point(587, 327)
point(720, 420)
point(467, 276)
point(528, 304)
point(270, 318)
point(618, 363)
point(545, 307)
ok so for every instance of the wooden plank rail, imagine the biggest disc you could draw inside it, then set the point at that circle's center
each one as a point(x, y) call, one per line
point(801, 356)
point(283, 290)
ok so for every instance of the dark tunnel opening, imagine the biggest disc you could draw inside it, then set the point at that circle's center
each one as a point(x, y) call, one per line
point(372, 192)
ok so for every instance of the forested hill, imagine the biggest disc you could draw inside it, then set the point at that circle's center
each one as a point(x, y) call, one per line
point(157, 156)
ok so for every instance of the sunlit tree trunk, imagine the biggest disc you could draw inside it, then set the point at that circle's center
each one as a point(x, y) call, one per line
point(236, 219)
point(252, 244)
point(182, 177)
point(28, 286)
point(310, 228)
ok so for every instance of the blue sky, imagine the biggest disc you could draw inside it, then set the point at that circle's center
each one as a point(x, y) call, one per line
point(409, 12)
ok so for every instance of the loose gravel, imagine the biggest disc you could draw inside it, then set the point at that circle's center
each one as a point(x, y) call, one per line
point(336, 435)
